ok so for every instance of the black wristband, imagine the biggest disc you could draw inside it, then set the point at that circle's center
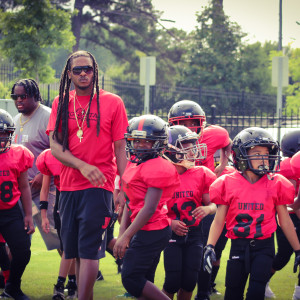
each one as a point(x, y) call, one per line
point(44, 205)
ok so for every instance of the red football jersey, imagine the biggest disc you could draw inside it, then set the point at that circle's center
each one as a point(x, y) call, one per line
point(287, 172)
point(193, 184)
point(93, 149)
point(47, 164)
point(295, 164)
point(215, 137)
point(16, 160)
point(252, 207)
point(137, 178)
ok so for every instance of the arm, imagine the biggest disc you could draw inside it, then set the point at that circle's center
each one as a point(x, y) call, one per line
point(92, 173)
point(36, 182)
point(26, 202)
point(44, 197)
point(152, 199)
point(121, 159)
point(217, 225)
point(209, 208)
point(224, 155)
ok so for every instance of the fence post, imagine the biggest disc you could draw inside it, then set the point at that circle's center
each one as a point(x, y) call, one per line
point(213, 113)
point(48, 101)
point(103, 82)
point(200, 94)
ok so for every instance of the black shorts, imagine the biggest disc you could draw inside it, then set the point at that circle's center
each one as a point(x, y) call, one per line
point(84, 215)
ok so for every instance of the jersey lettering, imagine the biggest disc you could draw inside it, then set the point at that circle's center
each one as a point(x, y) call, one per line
point(242, 229)
point(6, 193)
point(188, 206)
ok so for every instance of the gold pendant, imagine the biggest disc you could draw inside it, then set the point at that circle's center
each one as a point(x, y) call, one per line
point(21, 129)
point(82, 112)
point(80, 134)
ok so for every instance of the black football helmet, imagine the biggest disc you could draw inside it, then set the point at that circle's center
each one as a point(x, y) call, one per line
point(290, 143)
point(148, 127)
point(8, 128)
point(180, 155)
point(249, 138)
point(187, 110)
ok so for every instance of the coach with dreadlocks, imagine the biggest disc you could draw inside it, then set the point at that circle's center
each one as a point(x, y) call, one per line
point(86, 130)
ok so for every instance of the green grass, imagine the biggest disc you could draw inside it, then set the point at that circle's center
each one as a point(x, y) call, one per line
point(42, 271)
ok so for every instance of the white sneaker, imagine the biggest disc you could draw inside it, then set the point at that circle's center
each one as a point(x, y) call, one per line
point(296, 295)
point(268, 292)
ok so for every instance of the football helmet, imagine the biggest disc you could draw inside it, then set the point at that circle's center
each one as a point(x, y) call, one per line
point(187, 110)
point(7, 129)
point(290, 143)
point(249, 138)
point(177, 153)
point(146, 127)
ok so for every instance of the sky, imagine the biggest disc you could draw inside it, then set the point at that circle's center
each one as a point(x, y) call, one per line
point(258, 18)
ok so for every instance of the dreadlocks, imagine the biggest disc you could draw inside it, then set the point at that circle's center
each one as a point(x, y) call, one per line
point(63, 102)
point(31, 88)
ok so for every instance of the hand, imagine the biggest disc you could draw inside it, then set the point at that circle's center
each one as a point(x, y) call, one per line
point(200, 212)
point(36, 182)
point(297, 260)
point(219, 170)
point(119, 204)
point(121, 246)
point(179, 227)
point(93, 174)
point(45, 225)
point(28, 224)
point(209, 258)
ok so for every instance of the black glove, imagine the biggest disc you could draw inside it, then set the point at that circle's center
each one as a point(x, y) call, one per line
point(209, 258)
point(297, 260)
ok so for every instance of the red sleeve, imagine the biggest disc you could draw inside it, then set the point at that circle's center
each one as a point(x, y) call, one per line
point(285, 191)
point(52, 119)
point(27, 160)
point(295, 164)
point(286, 169)
point(41, 163)
point(216, 191)
point(209, 178)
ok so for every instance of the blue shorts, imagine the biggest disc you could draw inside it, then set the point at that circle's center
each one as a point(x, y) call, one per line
point(84, 214)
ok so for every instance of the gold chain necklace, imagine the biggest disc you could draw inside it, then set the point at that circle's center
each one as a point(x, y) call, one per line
point(80, 128)
point(23, 123)
point(82, 109)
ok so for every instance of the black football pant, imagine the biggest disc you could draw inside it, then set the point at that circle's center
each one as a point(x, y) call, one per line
point(18, 241)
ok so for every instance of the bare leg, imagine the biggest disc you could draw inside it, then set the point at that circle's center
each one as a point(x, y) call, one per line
point(184, 295)
point(152, 292)
point(171, 296)
point(88, 270)
point(65, 266)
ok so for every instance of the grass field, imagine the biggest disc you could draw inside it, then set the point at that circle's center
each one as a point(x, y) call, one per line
point(41, 274)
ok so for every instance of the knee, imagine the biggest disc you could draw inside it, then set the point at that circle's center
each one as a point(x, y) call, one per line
point(133, 284)
point(172, 282)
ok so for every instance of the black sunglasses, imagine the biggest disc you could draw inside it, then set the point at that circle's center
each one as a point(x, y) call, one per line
point(15, 96)
point(85, 69)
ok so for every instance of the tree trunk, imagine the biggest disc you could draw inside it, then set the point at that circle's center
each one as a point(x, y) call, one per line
point(77, 23)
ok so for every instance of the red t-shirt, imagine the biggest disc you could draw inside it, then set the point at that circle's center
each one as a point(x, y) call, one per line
point(97, 151)
point(252, 207)
point(47, 164)
point(194, 183)
point(215, 137)
point(295, 164)
point(16, 160)
point(158, 173)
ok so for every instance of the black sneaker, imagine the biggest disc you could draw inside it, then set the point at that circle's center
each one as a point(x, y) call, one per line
point(12, 292)
point(72, 290)
point(58, 292)
point(99, 276)
point(214, 291)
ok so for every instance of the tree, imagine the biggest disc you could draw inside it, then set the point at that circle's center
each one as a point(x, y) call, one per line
point(27, 28)
point(213, 51)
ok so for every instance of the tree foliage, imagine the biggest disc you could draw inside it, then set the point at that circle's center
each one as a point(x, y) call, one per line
point(27, 28)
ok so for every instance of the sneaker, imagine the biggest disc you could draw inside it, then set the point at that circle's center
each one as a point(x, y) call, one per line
point(12, 292)
point(296, 295)
point(71, 287)
point(99, 276)
point(213, 290)
point(268, 292)
point(125, 295)
point(58, 292)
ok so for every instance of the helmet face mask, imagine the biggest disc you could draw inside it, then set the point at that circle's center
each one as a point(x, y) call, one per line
point(248, 139)
point(146, 128)
point(7, 130)
point(187, 110)
point(184, 148)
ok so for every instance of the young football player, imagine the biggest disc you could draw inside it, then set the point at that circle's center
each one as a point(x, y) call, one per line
point(211, 138)
point(189, 205)
point(248, 200)
point(49, 166)
point(289, 145)
point(149, 181)
point(15, 160)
